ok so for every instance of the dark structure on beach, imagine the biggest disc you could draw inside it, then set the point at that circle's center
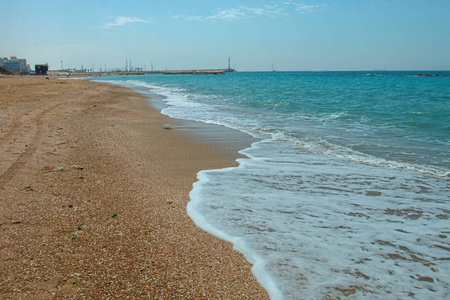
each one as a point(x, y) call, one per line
point(41, 69)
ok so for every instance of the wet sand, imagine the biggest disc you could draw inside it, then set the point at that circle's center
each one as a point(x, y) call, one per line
point(93, 194)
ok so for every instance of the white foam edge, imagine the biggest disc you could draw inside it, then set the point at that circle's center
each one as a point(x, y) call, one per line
point(239, 244)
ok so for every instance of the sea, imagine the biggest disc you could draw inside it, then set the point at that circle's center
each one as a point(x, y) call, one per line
point(345, 191)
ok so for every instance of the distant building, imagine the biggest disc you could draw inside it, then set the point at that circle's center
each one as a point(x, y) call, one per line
point(15, 65)
point(41, 69)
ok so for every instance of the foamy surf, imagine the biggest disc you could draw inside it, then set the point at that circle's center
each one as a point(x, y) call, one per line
point(239, 243)
point(329, 228)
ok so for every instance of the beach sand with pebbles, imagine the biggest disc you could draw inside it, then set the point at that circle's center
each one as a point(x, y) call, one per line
point(93, 194)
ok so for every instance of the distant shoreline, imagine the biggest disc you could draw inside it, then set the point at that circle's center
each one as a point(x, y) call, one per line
point(141, 73)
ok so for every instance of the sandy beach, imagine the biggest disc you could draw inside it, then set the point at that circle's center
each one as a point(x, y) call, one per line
point(93, 194)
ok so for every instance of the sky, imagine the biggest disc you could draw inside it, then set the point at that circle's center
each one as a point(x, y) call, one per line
point(290, 35)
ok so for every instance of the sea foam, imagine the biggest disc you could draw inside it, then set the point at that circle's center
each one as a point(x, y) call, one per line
point(328, 228)
point(239, 243)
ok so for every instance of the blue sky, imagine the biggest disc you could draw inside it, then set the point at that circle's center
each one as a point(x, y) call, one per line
point(185, 34)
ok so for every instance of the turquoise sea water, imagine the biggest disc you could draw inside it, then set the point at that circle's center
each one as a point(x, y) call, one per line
point(346, 193)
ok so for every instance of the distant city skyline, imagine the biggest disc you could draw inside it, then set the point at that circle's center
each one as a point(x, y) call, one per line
point(290, 35)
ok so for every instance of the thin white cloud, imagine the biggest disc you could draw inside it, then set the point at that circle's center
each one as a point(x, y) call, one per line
point(226, 14)
point(230, 14)
point(303, 8)
point(245, 12)
point(268, 11)
point(242, 12)
point(121, 21)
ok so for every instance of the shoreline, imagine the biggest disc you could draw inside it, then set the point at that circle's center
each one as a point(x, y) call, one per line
point(222, 139)
point(93, 195)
